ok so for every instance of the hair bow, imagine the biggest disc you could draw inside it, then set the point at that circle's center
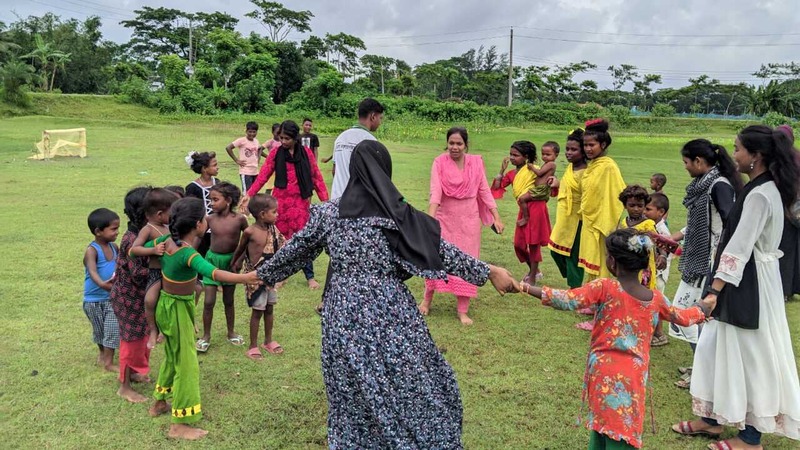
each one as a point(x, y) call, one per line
point(189, 158)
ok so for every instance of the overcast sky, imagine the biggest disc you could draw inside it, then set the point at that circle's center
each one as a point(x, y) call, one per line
point(678, 39)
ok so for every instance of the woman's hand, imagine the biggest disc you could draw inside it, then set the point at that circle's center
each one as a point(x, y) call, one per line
point(498, 225)
point(708, 304)
point(252, 278)
point(502, 280)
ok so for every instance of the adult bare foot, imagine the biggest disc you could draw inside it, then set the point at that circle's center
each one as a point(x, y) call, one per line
point(312, 284)
point(425, 307)
point(697, 428)
point(130, 395)
point(183, 431)
point(158, 408)
point(465, 320)
point(138, 378)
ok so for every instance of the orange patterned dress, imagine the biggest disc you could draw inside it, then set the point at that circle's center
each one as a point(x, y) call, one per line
point(619, 356)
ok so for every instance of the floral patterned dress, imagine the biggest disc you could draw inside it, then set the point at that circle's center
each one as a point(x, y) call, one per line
point(619, 357)
point(388, 386)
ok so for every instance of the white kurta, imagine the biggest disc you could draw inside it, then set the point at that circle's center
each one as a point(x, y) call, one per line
point(749, 377)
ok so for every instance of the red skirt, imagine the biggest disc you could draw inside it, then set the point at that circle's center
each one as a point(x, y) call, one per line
point(134, 354)
point(535, 233)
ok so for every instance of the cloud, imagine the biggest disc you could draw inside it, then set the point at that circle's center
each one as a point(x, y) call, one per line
point(547, 32)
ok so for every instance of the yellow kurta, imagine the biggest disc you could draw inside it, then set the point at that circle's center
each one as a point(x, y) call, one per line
point(600, 211)
point(567, 212)
point(645, 226)
point(523, 181)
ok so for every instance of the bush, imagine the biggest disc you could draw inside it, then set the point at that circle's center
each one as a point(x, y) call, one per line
point(662, 110)
point(16, 76)
point(137, 91)
point(194, 98)
point(774, 119)
point(619, 115)
point(253, 94)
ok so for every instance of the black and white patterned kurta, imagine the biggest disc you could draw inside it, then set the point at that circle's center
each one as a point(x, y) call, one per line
point(387, 384)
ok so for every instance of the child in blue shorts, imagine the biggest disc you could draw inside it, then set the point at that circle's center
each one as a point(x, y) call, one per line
point(100, 262)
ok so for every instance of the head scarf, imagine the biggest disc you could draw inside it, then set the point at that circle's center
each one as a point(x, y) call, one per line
point(302, 169)
point(371, 193)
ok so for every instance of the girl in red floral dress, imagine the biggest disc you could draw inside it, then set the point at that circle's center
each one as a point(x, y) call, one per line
point(626, 317)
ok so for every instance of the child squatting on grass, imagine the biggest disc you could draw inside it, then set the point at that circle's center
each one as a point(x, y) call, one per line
point(617, 368)
point(259, 242)
point(179, 375)
point(100, 262)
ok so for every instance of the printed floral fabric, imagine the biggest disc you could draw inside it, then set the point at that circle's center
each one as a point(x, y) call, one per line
point(617, 367)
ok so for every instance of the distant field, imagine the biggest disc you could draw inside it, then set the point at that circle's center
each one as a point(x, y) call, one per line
point(520, 367)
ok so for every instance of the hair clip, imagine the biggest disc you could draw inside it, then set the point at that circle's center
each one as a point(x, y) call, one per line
point(593, 122)
point(189, 159)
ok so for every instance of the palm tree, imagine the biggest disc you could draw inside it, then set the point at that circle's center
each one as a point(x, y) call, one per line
point(15, 75)
point(59, 59)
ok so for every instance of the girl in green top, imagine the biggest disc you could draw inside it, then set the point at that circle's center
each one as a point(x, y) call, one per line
point(179, 375)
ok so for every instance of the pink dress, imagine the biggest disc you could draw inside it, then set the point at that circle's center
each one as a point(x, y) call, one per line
point(465, 201)
point(292, 208)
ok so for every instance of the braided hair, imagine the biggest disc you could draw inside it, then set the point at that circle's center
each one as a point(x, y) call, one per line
point(183, 217)
point(630, 249)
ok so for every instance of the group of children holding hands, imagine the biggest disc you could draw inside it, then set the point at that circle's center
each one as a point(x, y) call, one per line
point(146, 290)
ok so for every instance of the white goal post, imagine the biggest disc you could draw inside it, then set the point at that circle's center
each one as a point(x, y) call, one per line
point(70, 142)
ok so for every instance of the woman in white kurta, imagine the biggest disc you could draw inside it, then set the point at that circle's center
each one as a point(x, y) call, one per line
point(745, 374)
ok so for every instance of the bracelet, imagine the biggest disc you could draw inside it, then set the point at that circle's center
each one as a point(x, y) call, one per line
point(713, 291)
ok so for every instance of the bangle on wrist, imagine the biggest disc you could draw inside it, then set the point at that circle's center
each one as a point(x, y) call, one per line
point(713, 291)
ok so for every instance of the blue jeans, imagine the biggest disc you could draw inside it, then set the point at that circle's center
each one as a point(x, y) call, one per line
point(308, 270)
point(749, 435)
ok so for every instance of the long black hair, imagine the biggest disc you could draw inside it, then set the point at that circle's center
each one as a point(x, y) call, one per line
point(184, 215)
point(715, 155)
point(776, 149)
point(134, 207)
point(526, 149)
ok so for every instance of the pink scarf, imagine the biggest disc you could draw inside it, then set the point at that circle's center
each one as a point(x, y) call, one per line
point(465, 184)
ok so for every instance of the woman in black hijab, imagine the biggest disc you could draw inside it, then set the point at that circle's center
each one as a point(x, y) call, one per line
point(388, 385)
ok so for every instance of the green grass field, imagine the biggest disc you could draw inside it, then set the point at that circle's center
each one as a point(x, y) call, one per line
point(520, 367)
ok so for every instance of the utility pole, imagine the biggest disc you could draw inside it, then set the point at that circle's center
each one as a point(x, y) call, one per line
point(191, 59)
point(511, 66)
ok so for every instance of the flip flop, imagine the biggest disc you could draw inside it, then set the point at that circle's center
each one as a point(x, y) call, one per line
point(254, 354)
point(586, 326)
point(273, 347)
point(202, 345)
point(586, 311)
point(236, 340)
point(685, 428)
point(659, 341)
point(684, 370)
point(722, 445)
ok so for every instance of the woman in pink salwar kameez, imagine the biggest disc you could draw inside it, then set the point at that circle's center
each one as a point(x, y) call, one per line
point(461, 201)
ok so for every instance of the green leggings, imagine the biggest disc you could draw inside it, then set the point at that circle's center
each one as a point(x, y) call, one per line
point(568, 265)
point(179, 375)
point(599, 441)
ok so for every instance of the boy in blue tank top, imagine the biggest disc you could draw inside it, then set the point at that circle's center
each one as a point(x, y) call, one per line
point(100, 262)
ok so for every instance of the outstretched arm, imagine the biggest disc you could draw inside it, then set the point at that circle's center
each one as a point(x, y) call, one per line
point(304, 246)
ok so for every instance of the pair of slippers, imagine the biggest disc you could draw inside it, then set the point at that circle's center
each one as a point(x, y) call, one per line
point(273, 348)
point(202, 345)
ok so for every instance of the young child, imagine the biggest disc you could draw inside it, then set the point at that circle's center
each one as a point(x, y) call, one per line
point(250, 152)
point(100, 262)
point(657, 182)
point(226, 226)
point(656, 210)
point(541, 190)
point(179, 375)
point(156, 206)
point(127, 299)
point(204, 164)
point(635, 198)
point(617, 369)
point(535, 232)
point(259, 242)
point(309, 139)
point(179, 191)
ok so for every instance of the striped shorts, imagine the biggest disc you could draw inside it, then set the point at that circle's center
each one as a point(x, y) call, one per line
point(105, 329)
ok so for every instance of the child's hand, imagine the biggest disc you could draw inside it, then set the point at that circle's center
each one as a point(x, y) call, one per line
point(236, 267)
point(553, 182)
point(252, 278)
point(504, 164)
point(531, 167)
point(708, 303)
point(160, 248)
point(241, 162)
point(502, 280)
point(661, 262)
point(243, 203)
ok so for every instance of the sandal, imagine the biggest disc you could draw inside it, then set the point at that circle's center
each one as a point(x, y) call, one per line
point(685, 428)
point(685, 370)
point(273, 347)
point(586, 326)
point(586, 311)
point(723, 445)
point(659, 341)
point(236, 340)
point(318, 309)
point(254, 354)
point(202, 345)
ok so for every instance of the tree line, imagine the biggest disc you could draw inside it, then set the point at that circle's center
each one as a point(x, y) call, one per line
point(198, 62)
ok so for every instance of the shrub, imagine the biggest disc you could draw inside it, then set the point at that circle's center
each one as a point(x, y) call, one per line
point(619, 115)
point(253, 94)
point(662, 110)
point(774, 119)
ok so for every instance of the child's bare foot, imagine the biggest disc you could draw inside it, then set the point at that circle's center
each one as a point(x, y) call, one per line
point(152, 339)
point(137, 378)
point(183, 431)
point(465, 320)
point(159, 338)
point(130, 395)
point(111, 368)
point(522, 222)
point(312, 284)
point(425, 307)
point(158, 408)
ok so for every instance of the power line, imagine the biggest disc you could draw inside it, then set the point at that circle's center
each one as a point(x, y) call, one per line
point(661, 35)
point(727, 72)
point(642, 44)
point(437, 43)
point(439, 34)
